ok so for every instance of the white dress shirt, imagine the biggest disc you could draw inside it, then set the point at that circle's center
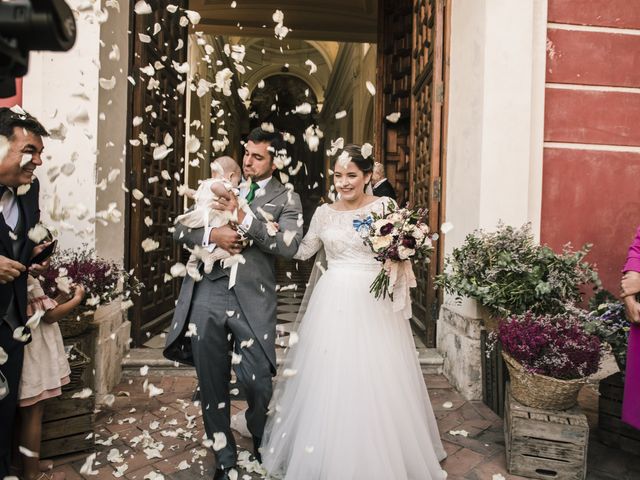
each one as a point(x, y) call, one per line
point(10, 209)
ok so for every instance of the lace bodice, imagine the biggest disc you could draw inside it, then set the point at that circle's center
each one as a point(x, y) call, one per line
point(334, 230)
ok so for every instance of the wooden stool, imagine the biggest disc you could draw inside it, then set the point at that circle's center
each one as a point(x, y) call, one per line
point(545, 443)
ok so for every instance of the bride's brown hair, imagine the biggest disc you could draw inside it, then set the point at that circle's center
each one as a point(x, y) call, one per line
point(355, 152)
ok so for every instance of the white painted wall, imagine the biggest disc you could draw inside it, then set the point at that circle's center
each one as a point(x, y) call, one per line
point(59, 84)
point(496, 116)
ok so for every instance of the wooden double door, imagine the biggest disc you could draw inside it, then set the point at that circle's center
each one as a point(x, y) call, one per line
point(411, 80)
point(411, 75)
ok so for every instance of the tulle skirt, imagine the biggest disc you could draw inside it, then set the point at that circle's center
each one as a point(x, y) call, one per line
point(350, 402)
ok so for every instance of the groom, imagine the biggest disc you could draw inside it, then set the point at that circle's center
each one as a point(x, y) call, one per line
point(214, 324)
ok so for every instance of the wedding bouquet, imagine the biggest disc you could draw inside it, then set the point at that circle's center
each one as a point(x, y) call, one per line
point(398, 236)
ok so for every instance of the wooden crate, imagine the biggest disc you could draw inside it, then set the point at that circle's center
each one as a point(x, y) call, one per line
point(67, 425)
point(612, 431)
point(545, 443)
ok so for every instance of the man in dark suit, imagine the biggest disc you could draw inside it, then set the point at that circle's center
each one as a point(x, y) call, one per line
point(212, 320)
point(381, 186)
point(20, 150)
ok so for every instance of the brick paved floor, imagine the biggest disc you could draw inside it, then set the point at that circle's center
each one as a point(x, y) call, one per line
point(172, 445)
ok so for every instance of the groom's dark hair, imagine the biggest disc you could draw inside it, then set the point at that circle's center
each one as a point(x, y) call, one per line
point(274, 139)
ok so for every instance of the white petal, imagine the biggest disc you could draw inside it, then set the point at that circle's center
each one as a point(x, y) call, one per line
point(87, 466)
point(313, 68)
point(3, 356)
point(366, 150)
point(371, 88)
point(178, 270)
point(84, 393)
point(149, 245)
point(193, 16)
point(341, 114)
point(446, 227)
point(278, 16)
point(144, 38)
point(108, 83)
point(28, 453)
point(142, 8)
point(161, 151)
point(393, 117)
point(219, 441)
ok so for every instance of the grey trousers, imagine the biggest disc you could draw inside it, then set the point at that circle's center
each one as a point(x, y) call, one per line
point(221, 329)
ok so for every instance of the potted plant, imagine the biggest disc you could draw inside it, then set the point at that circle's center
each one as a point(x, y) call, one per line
point(608, 321)
point(508, 273)
point(549, 358)
point(103, 280)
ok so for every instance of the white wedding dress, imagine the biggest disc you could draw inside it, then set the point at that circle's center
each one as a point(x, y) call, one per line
point(350, 402)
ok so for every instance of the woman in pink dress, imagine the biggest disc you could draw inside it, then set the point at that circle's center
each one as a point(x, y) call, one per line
point(630, 287)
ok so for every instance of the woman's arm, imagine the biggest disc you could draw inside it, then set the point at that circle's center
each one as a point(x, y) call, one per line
point(311, 242)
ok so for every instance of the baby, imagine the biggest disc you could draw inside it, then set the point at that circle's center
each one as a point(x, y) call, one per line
point(224, 181)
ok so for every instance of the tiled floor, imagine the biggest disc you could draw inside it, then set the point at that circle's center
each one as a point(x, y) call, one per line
point(169, 426)
point(163, 435)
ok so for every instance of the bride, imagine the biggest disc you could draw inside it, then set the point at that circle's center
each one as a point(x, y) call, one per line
point(350, 402)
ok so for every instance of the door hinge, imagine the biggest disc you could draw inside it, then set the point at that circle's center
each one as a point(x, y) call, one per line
point(440, 93)
point(437, 189)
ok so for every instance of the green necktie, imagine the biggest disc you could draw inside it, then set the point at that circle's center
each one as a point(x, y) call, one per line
point(252, 192)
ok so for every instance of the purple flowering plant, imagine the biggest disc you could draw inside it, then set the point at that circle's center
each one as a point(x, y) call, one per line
point(556, 346)
point(609, 322)
point(103, 280)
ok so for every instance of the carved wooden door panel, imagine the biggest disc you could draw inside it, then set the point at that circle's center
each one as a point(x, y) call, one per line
point(410, 77)
point(427, 143)
point(156, 100)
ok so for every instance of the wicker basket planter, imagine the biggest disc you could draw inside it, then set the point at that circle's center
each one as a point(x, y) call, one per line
point(540, 391)
point(78, 361)
point(76, 323)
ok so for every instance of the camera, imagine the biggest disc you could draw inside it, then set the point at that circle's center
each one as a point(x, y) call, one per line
point(27, 25)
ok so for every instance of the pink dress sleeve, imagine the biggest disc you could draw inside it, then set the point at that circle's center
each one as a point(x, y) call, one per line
point(633, 256)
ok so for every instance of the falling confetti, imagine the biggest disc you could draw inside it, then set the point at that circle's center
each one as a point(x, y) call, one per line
point(313, 68)
point(142, 8)
point(393, 117)
point(371, 88)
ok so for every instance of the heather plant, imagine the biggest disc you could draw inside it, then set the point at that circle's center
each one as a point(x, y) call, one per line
point(103, 280)
point(509, 273)
point(553, 345)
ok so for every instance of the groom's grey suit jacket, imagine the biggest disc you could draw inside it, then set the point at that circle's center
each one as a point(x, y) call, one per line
point(255, 286)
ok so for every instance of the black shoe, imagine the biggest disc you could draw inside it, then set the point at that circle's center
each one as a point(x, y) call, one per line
point(257, 441)
point(223, 473)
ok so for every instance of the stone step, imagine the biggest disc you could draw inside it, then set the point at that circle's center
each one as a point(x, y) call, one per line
point(430, 362)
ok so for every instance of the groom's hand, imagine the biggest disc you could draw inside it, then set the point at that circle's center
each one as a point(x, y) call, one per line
point(229, 204)
point(226, 238)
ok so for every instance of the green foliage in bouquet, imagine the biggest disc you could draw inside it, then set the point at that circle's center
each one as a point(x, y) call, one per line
point(508, 273)
point(103, 280)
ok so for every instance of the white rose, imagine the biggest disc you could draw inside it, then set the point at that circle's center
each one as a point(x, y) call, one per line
point(417, 234)
point(404, 253)
point(380, 243)
point(395, 217)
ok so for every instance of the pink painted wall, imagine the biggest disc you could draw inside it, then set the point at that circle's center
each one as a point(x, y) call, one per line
point(591, 195)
